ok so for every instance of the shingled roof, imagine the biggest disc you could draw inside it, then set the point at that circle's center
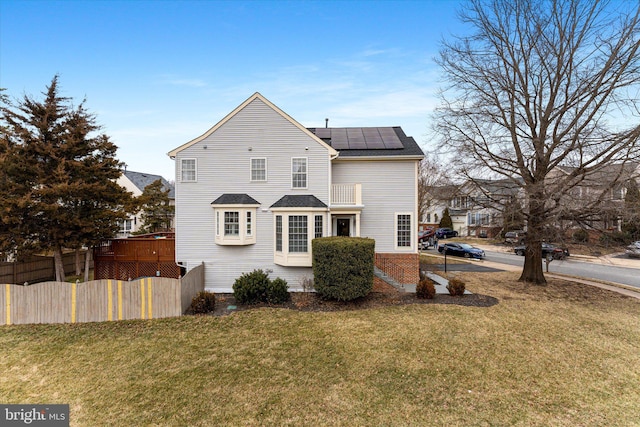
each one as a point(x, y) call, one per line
point(299, 201)
point(142, 180)
point(235, 199)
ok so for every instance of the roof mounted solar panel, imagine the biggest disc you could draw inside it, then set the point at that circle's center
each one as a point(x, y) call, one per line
point(356, 139)
point(373, 139)
point(339, 139)
point(323, 133)
point(390, 138)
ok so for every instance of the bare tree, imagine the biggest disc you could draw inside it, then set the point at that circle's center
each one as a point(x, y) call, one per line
point(431, 178)
point(540, 84)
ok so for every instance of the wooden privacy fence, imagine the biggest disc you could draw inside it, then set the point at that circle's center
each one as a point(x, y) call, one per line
point(99, 300)
point(127, 259)
point(37, 269)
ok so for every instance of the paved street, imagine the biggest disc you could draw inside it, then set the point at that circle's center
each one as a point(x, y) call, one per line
point(615, 269)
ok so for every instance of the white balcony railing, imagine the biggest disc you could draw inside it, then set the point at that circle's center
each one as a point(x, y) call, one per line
point(346, 194)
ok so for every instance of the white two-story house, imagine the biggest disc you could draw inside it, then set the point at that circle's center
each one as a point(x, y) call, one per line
point(253, 191)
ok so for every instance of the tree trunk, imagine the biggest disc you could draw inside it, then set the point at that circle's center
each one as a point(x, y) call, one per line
point(87, 263)
point(532, 271)
point(58, 264)
point(78, 265)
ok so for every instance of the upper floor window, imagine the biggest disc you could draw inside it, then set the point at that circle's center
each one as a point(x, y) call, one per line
point(188, 170)
point(299, 172)
point(259, 169)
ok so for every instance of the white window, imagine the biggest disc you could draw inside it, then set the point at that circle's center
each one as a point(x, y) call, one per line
point(294, 231)
point(188, 170)
point(403, 230)
point(299, 172)
point(298, 234)
point(232, 223)
point(259, 169)
point(235, 224)
point(318, 226)
point(279, 233)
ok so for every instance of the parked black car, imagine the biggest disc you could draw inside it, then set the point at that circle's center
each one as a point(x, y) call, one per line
point(547, 249)
point(461, 249)
point(445, 233)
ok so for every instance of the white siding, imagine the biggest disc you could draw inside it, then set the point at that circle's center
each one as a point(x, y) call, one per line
point(388, 187)
point(224, 167)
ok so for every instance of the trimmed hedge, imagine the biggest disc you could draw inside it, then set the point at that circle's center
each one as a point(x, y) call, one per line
point(343, 267)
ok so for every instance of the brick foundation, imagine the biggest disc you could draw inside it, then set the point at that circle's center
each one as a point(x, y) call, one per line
point(403, 268)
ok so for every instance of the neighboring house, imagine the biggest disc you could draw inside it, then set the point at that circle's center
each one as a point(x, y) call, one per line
point(597, 199)
point(136, 182)
point(254, 190)
point(475, 207)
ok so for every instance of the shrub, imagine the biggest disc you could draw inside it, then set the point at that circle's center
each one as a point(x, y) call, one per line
point(613, 238)
point(425, 288)
point(277, 291)
point(456, 287)
point(581, 236)
point(204, 302)
point(255, 287)
point(343, 267)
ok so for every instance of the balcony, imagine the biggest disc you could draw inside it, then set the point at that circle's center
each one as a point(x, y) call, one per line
point(346, 195)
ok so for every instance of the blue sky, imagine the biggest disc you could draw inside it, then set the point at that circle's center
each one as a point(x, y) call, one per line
point(160, 73)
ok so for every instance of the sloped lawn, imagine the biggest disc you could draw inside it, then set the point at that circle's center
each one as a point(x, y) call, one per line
point(563, 354)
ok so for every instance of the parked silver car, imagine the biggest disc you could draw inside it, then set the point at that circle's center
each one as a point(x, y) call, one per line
point(633, 250)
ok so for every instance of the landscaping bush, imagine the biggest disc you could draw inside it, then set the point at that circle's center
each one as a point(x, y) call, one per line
point(581, 236)
point(456, 287)
point(613, 238)
point(343, 267)
point(277, 291)
point(256, 287)
point(425, 289)
point(204, 302)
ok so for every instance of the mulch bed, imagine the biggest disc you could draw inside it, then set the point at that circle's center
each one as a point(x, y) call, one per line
point(379, 297)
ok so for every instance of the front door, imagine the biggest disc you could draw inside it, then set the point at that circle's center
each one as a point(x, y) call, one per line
point(343, 225)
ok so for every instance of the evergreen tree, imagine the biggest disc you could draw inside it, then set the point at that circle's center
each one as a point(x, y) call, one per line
point(58, 178)
point(156, 211)
point(446, 221)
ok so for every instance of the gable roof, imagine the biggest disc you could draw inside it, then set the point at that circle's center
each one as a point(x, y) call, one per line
point(299, 201)
point(255, 96)
point(142, 180)
point(370, 141)
point(235, 199)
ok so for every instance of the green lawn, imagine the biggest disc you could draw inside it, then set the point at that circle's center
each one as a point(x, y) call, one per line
point(557, 355)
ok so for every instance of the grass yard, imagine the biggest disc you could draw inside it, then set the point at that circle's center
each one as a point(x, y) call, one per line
point(561, 355)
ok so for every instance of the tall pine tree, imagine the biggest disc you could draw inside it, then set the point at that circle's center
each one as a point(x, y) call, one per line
point(58, 176)
point(156, 209)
